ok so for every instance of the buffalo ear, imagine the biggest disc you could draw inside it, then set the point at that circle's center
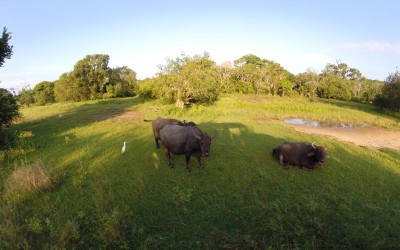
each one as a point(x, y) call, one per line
point(311, 154)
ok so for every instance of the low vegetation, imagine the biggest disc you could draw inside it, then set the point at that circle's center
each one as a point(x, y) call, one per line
point(83, 193)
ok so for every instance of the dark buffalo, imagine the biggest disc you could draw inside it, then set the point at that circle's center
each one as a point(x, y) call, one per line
point(301, 154)
point(187, 140)
point(159, 123)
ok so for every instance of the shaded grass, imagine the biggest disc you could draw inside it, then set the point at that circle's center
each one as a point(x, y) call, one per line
point(242, 199)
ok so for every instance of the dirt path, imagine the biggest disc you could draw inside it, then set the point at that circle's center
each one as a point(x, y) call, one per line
point(366, 136)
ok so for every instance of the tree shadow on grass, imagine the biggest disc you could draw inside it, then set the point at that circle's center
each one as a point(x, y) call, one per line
point(54, 129)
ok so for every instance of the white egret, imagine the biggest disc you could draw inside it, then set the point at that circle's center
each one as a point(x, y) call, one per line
point(124, 147)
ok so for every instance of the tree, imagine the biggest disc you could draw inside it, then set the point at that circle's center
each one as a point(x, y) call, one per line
point(8, 108)
point(87, 81)
point(390, 97)
point(5, 49)
point(188, 80)
point(339, 81)
point(43, 93)
point(122, 82)
point(372, 89)
point(307, 83)
point(25, 96)
point(92, 75)
point(343, 70)
point(67, 89)
point(333, 86)
point(261, 76)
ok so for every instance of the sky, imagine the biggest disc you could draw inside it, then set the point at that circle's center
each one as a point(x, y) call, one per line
point(49, 37)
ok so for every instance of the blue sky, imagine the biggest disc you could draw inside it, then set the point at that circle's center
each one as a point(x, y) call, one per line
point(49, 37)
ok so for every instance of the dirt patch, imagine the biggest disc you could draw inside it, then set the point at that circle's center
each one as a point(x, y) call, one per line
point(129, 116)
point(363, 136)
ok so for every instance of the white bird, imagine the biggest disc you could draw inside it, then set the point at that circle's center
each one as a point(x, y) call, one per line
point(124, 147)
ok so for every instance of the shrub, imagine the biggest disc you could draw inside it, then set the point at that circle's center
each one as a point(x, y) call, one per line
point(27, 181)
point(390, 97)
point(8, 108)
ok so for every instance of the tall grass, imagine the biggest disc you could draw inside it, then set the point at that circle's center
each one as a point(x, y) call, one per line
point(242, 198)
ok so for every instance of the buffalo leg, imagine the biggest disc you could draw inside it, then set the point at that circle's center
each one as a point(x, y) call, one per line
point(187, 156)
point(281, 159)
point(282, 162)
point(199, 162)
point(168, 155)
point(157, 143)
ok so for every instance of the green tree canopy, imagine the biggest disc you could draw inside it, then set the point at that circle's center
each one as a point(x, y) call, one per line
point(188, 79)
point(69, 89)
point(91, 79)
point(122, 82)
point(6, 50)
point(43, 93)
point(307, 83)
point(8, 108)
point(255, 75)
point(92, 74)
point(339, 81)
point(390, 97)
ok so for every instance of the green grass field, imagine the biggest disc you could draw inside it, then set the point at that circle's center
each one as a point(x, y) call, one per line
point(66, 184)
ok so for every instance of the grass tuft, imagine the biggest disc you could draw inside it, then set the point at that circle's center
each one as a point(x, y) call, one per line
point(26, 181)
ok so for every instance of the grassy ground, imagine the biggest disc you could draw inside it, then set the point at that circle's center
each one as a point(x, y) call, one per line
point(67, 185)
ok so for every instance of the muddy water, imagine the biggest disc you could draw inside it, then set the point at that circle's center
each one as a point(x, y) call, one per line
point(299, 121)
point(361, 135)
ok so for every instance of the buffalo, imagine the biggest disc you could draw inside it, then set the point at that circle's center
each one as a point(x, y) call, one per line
point(301, 154)
point(187, 140)
point(159, 123)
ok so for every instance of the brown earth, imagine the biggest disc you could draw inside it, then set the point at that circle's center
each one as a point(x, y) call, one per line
point(364, 136)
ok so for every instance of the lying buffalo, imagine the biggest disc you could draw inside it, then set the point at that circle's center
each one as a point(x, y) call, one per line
point(159, 123)
point(187, 140)
point(300, 154)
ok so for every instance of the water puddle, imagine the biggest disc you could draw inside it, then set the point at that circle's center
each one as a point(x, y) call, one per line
point(299, 121)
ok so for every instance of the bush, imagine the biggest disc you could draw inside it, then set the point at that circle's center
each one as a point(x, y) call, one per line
point(390, 97)
point(7, 139)
point(9, 110)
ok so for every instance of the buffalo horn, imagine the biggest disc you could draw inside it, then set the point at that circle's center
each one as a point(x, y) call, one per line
point(313, 145)
point(196, 135)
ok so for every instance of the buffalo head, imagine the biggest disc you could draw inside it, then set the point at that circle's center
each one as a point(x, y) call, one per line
point(205, 141)
point(319, 154)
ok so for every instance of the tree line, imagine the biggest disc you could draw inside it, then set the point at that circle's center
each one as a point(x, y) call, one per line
point(90, 79)
point(198, 79)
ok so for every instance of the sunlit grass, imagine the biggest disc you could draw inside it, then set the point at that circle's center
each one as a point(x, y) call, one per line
point(242, 198)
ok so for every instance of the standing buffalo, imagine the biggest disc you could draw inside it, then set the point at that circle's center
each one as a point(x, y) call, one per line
point(160, 123)
point(187, 140)
point(300, 154)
